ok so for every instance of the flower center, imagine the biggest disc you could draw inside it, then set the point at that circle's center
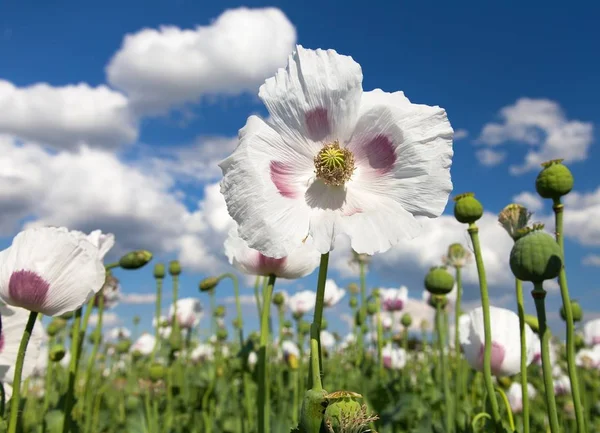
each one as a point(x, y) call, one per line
point(334, 165)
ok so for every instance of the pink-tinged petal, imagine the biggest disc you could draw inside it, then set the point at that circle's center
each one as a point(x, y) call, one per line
point(387, 361)
point(498, 352)
point(270, 265)
point(596, 340)
point(282, 176)
point(1, 342)
point(377, 151)
point(315, 98)
point(28, 290)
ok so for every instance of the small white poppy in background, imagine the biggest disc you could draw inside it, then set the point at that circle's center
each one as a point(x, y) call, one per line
point(327, 340)
point(394, 358)
point(333, 293)
point(515, 395)
point(14, 321)
point(387, 320)
point(588, 358)
point(66, 360)
point(302, 302)
point(203, 352)
point(189, 312)
point(144, 344)
point(297, 264)
point(393, 299)
point(506, 347)
point(252, 359)
point(50, 270)
point(120, 333)
point(288, 348)
point(562, 384)
point(591, 332)
point(333, 159)
point(110, 293)
point(463, 323)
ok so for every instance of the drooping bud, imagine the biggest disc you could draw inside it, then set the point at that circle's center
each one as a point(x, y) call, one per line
point(57, 353)
point(555, 180)
point(575, 309)
point(278, 299)
point(135, 259)
point(514, 218)
point(56, 326)
point(467, 209)
point(536, 257)
point(159, 271)
point(406, 320)
point(439, 281)
point(208, 284)
point(174, 268)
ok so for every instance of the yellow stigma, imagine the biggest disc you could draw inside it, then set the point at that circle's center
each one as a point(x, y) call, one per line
point(334, 165)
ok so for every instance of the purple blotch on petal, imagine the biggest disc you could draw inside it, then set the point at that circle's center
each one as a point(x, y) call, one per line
point(1, 342)
point(280, 176)
point(380, 153)
point(269, 265)
point(393, 304)
point(28, 290)
point(317, 124)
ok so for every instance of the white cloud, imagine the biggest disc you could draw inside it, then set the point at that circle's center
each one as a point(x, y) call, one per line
point(66, 117)
point(489, 157)
point(532, 202)
point(591, 260)
point(108, 319)
point(244, 300)
point(581, 220)
point(164, 68)
point(541, 124)
point(137, 298)
point(460, 134)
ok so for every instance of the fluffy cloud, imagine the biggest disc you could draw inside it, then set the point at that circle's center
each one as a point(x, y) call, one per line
point(581, 217)
point(532, 202)
point(108, 319)
point(541, 124)
point(489, 157)
point(460, 134)
point(163, 68)
point(591, 260)
point(137, 298)
point(66, 117)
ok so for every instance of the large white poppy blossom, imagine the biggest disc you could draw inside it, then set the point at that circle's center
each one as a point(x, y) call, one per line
point(14, 320)
point(333, 159)
point(299, 263)
point(506, 346)
point(50, 270)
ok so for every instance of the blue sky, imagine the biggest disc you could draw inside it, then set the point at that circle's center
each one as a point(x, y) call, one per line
point(148, 174)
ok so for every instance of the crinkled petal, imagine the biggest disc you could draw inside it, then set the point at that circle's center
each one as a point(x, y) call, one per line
point(315, 99)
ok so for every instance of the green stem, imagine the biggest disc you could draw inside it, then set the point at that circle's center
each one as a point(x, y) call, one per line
point(16, 397)
point(564, 292)
point(47, 383)
point(88, 401)
point(485, 304)
point(213, 308)
point(175, 321)
point(264, 391)
point(439, 323)
point(315, 328)
point(522, 329)
point(379, 339)
point(363, 311)
point(458, 391)
point(256, 295)
point(405, 347)
point(511, 421)
point(539, 296)
point(73, 366)
point(280, 312)
point(159, 286)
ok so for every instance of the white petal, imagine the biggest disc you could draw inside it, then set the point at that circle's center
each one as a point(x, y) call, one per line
point(104, 242)
point(316, 98)
point(69, 265)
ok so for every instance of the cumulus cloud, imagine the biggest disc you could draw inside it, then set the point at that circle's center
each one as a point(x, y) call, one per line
point(137, 298)
point(591, 260)
point(460, 134)
point(581, 217)
point(489, 157)
point(532, 202)
point(166, 67)
point(543, 125)
point(66, 117)
point(108, 319)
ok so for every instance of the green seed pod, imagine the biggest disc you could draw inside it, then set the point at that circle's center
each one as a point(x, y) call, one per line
point(371, 308)
point(220, 311)
point(353, 302)
point(57, 353)
point(157, 372)
point(222, 334)
point(287, 324)
point(159, 271)
point(406, 320)
point(353, 289)
point(123, 346)
point(438, 300)
point(324, 323)
point(344, 412)
point(533, 323)
point(575, 309)
point(579, 342)
point(278, 299)
point(536, 257)
point(174, 268)
point(237, 323)
point(312, 411)
point(55, 326)
point(135, 259)
point(554, 181)
point(68, 315)
point(297, 315)
point(208, 284)
point(360, 317)
point(467, 209)
point(439, 281)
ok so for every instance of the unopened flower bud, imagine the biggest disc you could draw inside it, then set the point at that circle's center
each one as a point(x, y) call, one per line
point(554, 181)
point(208, 284)
point(55, 326)
point(353, 289)
point(222, 334)
point(536, 257)
point(353, 302)
point(360, 317)
point(287, 323)
point(439, 281)
point(297, 315)
point(220, 311)
point(576, 311)
point(237, 323)
point(159, 271)
point(57, 353)
point(174, 268)
point(157, 372)
point(135, 259)
point(467, 209)
point(406, 320)
point(278, 299)
point(372, 308)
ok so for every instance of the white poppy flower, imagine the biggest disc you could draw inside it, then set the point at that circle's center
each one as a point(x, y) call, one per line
point(327, 340)
point(333, 293)
point(333, 159)
point(463, 323)
point(299, 263)
point(393, 299)
point(50, 270)
point(144, 344)
point(252, 359)
point(103, 241)
point(287, 349)
point(120, 333)
point(202, 352)
point(588, 358)
point(189, 312)
point(591, 332)
point(302, 302)
point(506, 347)
point(515, 395)
point(14, 321)
point(110, 292)
point(387, 321)
point(562, 384)
point(393, 357)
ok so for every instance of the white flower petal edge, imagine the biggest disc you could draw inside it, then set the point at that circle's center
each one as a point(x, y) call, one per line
point(50, 270)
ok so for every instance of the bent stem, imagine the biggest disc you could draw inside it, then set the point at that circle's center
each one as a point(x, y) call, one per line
point(564, 292)
point(439, 317)
point(539, 296)
point(485, 304)
point(315, 328)
point(264, 408)
point(16, 397)
point(522, 325)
